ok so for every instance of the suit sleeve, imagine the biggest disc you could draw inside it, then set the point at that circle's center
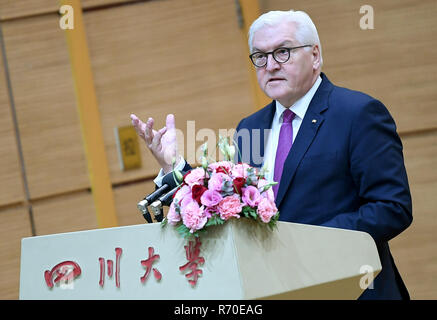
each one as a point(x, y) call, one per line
point(377, 168)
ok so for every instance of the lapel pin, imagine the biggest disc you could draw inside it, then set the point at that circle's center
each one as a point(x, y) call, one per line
point(314, 121)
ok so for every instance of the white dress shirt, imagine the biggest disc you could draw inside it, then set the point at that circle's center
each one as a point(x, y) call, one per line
point(299, 108)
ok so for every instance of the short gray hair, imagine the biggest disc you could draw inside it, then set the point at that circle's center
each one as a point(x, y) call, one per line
point(306, 31)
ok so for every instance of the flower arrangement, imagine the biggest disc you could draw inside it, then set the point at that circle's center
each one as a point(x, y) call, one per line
point(217, 192)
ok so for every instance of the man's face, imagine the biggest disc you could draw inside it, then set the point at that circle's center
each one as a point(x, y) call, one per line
point(289, 81)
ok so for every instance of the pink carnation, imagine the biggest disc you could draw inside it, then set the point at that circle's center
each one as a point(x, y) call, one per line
point(240, 170)
point(193, 217)
point(266, 209)
point(196, 176)
point(230, 207)
point(251, 196)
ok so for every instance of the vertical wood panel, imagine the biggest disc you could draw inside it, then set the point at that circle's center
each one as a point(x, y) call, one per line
point(414, 250)
point(394, 62)
point(67, 213)
point(46, 106)
point(126, 199)
point(11, 186)
point(14, 225)
point(153, 58)
point(90, 120)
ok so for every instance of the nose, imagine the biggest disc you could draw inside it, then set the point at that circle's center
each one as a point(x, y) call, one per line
point(272, 64)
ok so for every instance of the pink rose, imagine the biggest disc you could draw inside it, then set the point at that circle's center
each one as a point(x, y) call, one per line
point(251, 196)
point(240, 170)
point(209, 211)
point(266, 209)
point(230, 207)
point(172, 216)
point(193, 217)
point(211, 198)
point(196, 176)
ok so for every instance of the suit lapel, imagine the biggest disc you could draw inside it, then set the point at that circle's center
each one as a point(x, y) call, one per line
point(259, 141)
point(311, 123)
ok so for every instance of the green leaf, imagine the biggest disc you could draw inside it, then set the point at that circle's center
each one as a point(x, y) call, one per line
point(183, 231)
point(215, 220)
point(253, 214)
point(164, 222)
point(249, 212)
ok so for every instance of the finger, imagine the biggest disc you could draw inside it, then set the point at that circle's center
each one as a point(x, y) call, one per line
point(170, 121)
point(148, 131)
point(135, 121)
point(156, 142)
point(134, 117)
point(138, 125)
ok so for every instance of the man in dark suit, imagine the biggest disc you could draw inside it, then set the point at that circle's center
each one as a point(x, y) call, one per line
point(335, 152)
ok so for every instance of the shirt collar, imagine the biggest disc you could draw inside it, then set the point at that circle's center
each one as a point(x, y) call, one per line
point(300, 106)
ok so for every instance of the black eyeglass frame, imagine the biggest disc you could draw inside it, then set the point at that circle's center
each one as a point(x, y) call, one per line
point(273, 55)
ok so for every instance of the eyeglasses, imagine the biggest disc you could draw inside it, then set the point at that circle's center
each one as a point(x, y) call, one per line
point(281, 55)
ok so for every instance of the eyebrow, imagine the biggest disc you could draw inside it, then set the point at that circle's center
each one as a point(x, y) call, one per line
point(283, 43)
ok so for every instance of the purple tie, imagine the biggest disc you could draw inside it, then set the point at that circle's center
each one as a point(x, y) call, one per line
point(284, 146)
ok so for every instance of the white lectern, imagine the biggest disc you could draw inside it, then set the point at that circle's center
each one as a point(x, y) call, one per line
point(238, 260)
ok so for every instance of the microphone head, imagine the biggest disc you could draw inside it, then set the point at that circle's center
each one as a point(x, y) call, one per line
point(142, 205)
point(155, 206)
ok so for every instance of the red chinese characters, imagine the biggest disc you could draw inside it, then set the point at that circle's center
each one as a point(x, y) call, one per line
point(110, 263)
point(66, 270)
point(192, 252)
point(148, 265)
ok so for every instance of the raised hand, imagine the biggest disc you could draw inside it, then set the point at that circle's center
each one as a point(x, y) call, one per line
point(162, 143)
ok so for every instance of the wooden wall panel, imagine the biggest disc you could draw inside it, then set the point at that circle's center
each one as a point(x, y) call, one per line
point(184, 57)
point(46, 105)
point(415, 249)
point(126, 199)
point(394, 62)
point(67, 213)
point(14, 225)
point(13, 9)
point(11, 187)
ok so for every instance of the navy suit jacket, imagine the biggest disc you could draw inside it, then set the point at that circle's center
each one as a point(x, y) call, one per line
point(344, 170)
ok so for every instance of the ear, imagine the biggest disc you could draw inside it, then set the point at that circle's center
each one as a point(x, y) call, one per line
point(316, 57)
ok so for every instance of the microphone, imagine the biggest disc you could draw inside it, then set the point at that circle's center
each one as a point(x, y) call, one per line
point(142, 205)
point(168, 183)
point(164, 200)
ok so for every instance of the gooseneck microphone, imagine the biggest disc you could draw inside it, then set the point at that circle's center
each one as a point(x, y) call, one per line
point(168, 184)
point(164, 200)
point(142, 205)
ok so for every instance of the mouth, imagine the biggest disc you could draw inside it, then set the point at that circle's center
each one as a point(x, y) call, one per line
point(275, 80)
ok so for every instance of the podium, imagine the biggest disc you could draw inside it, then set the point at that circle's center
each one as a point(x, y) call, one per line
point(237, 260)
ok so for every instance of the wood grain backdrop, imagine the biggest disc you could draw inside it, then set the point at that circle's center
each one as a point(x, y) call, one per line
point(188, 57)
